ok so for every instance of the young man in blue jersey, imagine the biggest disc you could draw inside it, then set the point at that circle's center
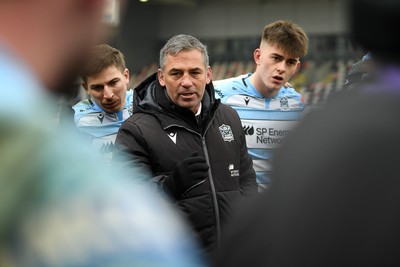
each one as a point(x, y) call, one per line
point(268, 109)
point(106, 80)
point(336, 193)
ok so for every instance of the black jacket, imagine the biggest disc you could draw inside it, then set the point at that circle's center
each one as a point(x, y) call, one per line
point(360, 72)
point(160, 134)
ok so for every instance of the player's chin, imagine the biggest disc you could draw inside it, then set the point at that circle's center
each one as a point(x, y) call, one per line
point(112, 110)
point(276, 85)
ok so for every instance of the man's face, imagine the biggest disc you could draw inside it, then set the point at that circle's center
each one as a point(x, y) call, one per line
point(274, 67)
point(185, 77)
point(108, 88)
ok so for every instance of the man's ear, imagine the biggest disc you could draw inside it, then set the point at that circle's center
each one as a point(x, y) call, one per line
point(160, 77)
point(257, 55)
point(126, 75)
point(209, 74)
point(84, 85)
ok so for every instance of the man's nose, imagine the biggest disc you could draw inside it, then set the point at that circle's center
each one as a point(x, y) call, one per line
point(186, 81)
point(108, 92)
point(282, 66)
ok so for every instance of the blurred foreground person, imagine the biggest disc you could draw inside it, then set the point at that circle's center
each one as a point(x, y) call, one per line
point(57, 206)
point(336, 193)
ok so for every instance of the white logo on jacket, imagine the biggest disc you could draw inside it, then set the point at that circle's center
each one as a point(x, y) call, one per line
point(172, 136)
point(226, 133)
point(234, 173)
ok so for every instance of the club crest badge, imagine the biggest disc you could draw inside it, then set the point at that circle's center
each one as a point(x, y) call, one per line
point(226, 133)
point(284, 103)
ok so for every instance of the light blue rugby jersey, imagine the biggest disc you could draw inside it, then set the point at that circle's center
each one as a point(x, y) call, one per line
point(101, 126)
point(266, 121)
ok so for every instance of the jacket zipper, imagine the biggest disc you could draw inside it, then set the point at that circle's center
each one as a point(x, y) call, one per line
point(213, 195)
point(213, 191)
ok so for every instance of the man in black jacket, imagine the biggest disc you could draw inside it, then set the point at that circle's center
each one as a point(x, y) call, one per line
point(192, 146)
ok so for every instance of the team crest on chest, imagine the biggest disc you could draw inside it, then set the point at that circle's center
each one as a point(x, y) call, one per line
point(226, 133)
point(284, 103)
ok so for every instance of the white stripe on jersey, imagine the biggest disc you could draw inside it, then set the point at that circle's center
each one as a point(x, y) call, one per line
point(262, 165)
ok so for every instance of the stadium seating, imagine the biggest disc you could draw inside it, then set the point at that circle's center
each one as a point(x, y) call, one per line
point(316, 81)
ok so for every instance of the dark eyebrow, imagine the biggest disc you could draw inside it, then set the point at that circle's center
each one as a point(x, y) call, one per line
point(116, 79)
point(276, 54)
point(194, 69)
point(173, 70)
point(96, 86)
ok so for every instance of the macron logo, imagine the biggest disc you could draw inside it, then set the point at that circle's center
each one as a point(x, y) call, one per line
point(173, 137)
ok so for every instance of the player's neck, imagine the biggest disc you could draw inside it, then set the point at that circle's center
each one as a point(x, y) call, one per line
point(261, 88)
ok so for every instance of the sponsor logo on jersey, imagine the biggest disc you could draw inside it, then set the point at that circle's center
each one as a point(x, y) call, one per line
point(226, 133)
point(247, 100)
point(172, 136)
point(130, 109)
point(219, 93)
point(100, 116)
point(248, 129)
point(107, 148)
point(266, 134)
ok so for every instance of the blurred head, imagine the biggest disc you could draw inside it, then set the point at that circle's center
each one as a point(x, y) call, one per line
point(278, 57)
point(51, 37)
point(106, 78)
point(371, 23)
point(184, 70)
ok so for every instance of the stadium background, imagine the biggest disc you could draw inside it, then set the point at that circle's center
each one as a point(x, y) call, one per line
point(231, 29)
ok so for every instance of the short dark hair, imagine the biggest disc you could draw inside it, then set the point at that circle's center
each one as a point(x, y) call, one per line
point(286, 35)
point(101, 57)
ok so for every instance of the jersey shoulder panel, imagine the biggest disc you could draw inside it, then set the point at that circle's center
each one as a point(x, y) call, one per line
point(231, 86)
point(82, 109)
point(289, 92)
